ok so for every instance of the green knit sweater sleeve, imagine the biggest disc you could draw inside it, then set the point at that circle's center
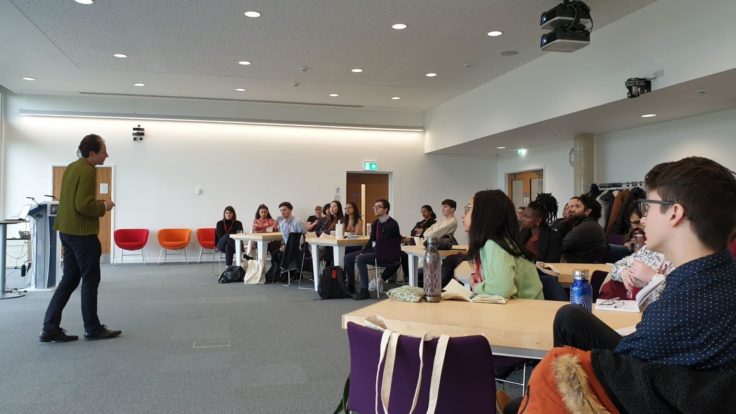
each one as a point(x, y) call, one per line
point(79, 212)
point(498, 269)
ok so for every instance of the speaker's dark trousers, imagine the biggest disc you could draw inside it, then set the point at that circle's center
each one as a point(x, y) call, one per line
point(81, 263)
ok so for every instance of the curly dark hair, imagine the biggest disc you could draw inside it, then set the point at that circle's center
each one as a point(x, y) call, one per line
point(545, 206)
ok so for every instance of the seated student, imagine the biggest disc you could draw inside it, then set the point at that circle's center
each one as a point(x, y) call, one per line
point(223, 229)
point(383, 230)
point(353, 222)
point(288, 223)
point(562, 225)
point(335, 216)
point(264, 223)
point(427, 221)
point(586, 242)
point(635, 227)
point(316, 222)
point(692, 324)
point(538, 238)
point(493, 245)
point(445, 225)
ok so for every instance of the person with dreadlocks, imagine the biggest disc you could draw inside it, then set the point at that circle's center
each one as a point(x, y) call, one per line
point(542, 243)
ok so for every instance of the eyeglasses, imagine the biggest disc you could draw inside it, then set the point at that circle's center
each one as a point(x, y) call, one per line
point(378, 207)
point(614, 303)
point(636, 222)
point(468, 207)
point(644, 205)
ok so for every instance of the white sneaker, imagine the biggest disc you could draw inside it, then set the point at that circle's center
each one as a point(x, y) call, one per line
point(372, 285)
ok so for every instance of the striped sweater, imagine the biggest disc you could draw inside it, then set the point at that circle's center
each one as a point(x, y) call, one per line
point(79, 212)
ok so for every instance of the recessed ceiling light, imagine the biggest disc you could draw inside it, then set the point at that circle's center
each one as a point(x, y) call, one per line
point(85, 1)
point(139, 84)
point(120, 55)
point(356, 70)
point(495, 33)
point(334, 95)
point(501, 147)
point(430, 75)
point(253, 14)
point(509, 53)
point(396, 98)
point(240, 89)
point(521, 151)
point(29, 78)
point(649, 115)
point(399, 26)
point(244, 62)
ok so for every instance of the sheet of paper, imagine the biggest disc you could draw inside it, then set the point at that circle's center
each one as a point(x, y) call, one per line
point(104, 188)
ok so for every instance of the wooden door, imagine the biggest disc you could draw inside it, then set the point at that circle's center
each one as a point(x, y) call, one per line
point(523, 187)
point(376, 186)
point(104, 192)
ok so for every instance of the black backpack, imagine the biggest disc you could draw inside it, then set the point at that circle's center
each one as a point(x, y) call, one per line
point(232, 274)
point(332, 283)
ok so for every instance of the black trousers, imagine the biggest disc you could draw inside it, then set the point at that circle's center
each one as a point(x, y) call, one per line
point(227, 246)
point(81, 263)
point(574, 326)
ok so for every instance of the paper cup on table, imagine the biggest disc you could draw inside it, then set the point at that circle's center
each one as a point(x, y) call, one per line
point(418, 241)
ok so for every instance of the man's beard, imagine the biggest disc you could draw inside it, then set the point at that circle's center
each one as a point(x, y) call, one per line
point(575, 220)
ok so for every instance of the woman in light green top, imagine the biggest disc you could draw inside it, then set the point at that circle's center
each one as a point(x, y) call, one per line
point(493, 233)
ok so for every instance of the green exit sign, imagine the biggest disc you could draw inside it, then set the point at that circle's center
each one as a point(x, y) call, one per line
point(370, 165)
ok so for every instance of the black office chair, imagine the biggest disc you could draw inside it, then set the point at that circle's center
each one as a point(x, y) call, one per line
point(293, 257)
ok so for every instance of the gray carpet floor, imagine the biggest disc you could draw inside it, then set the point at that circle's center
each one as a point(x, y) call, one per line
point(189, 345)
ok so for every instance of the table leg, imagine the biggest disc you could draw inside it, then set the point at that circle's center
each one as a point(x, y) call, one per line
point(315, 264)
point(3, 247)
point(238, 252)
point(338, 254)
point(413, 270)
point(261, 245)
point(249, 248)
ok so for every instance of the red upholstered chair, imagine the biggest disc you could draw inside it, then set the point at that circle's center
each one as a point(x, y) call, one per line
point(732, 247)
point(130, 240)
point(206, 239)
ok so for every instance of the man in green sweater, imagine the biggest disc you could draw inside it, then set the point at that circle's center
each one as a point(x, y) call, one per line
point(78, 224)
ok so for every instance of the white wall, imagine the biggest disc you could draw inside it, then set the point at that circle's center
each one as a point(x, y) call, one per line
point(242, 165)
point(553, 159)
point(686, 39)
point(628, 155)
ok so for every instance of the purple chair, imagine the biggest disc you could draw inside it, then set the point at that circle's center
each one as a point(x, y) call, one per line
point(467, 383)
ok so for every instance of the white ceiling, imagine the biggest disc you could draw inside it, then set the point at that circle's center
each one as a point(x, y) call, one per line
point(190, 48)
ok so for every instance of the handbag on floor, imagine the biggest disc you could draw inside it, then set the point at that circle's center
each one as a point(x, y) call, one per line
point(232, 274)
point(254, 274)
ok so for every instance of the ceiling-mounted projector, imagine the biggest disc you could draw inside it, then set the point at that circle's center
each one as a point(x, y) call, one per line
point(569, 25)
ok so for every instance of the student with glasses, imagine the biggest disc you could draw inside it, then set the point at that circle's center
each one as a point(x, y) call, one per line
point(690, 329)
point(383, 230)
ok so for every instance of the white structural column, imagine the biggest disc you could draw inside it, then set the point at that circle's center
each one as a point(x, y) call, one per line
point(584, 163)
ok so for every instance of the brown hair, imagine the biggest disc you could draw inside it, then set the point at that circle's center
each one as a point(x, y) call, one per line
point(90, 143)
point(707, 191)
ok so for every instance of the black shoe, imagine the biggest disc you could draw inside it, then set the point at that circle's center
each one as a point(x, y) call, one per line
point(351, 290)
point(56, 336)
point(362, 294)
point(101, 333)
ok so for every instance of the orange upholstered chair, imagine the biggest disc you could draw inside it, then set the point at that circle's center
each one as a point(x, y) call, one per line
point(206, 239)
point(173, 239)
point(130, 240)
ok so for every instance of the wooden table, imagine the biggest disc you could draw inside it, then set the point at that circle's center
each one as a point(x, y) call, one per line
point(415, 252)
point(261, 240)
point(338, 250)
point(520, 328)
point(564, 271)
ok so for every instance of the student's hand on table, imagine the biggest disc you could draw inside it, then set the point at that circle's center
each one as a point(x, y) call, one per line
point(637, 275)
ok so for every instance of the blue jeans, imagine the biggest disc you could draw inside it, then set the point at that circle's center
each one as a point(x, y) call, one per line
point(81, 263)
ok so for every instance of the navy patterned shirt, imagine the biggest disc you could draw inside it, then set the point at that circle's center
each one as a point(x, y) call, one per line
point(693, 324)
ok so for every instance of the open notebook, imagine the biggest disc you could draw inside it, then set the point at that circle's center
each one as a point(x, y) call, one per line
point(643, 299)
point(456, 291)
